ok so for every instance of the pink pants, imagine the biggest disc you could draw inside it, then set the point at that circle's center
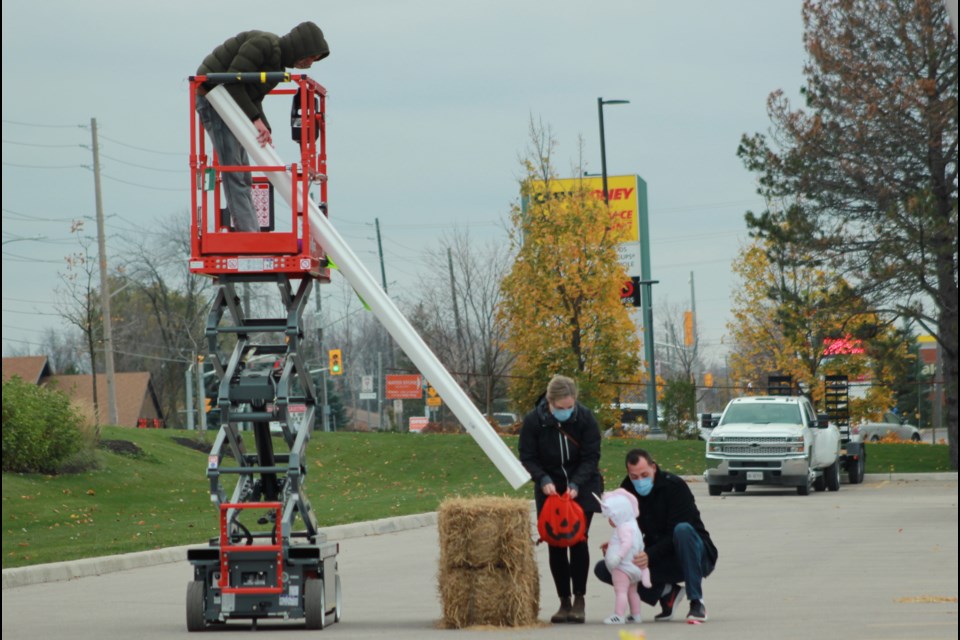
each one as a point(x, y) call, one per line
point(625, 591)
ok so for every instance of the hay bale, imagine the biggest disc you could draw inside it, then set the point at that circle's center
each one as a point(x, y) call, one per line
point(489, 596)
point(488, 570)
point(484, 531)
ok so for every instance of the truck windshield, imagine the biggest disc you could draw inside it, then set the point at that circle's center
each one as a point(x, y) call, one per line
point(762, 413)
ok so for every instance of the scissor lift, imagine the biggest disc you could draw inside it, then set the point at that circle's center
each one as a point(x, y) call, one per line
point(269, 560)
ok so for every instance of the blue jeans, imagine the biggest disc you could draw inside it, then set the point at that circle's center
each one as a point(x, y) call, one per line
point(238, 186)
point(689, 565)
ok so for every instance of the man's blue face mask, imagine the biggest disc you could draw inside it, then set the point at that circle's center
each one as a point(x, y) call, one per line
point(643, 486)
point(562, 414)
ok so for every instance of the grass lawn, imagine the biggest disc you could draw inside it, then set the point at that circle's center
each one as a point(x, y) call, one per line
point(161, 498)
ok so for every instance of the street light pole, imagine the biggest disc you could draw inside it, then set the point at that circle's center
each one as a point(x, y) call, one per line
point(603, 145)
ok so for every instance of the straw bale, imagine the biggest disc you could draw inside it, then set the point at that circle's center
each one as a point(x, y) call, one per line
point(489, 596)
point(485, 531)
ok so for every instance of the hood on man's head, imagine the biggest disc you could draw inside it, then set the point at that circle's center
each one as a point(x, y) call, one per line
point(304, 41)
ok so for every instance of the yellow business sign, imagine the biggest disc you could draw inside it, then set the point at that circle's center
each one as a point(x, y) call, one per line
point(622, 194)
point(624, 210)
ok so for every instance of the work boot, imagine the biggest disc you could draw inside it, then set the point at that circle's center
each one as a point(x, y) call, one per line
point(563, 613)
point(577, 613)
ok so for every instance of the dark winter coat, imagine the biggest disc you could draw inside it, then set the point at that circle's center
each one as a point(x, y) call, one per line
point(565, 453)
point(254, 51)
point(670, 502)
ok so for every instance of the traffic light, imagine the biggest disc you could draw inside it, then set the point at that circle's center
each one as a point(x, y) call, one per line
point(336, 362)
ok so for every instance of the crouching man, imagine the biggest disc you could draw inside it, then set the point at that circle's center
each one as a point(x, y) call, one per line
point(678, 548)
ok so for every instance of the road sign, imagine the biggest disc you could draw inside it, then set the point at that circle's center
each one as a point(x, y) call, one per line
point(418, 423)
point(404, 387)
point(366, 384)
point(368, 395)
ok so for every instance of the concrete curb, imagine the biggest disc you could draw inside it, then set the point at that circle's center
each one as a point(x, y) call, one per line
point(87, 567)
point(59, 571)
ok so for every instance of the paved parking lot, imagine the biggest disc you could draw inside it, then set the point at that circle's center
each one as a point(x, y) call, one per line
point(873, 561)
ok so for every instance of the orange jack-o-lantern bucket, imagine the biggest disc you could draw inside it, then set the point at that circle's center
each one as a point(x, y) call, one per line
point(561, 522)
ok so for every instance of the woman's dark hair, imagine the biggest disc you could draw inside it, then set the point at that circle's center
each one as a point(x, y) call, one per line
point(634, 455)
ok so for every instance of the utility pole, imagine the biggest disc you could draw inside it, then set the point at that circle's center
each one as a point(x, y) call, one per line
point(383, 271)
point(453, 296)
point(325, 409)
point(104, 283)
point(383, 279)
point(201, 394)
point(696, 343)
point(188, 386)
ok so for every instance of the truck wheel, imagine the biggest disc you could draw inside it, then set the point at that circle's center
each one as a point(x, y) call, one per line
point(804, 489)
point(314, 607)
point(915, 437)
point(832, 476)
point(855, 472)
point(740, 488)
point(195, 618)
point(819, 483)
point(714, 489)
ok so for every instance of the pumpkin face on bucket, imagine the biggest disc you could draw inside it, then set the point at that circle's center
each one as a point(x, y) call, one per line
point(561, 522)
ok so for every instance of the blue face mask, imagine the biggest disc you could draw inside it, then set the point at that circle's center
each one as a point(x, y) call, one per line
point(562, 414)
point(643, 486)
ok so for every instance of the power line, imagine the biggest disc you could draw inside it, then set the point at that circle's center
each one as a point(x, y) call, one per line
point(24, 216)
point(130, 146)
point(45, 126)
point(16, 258)
point(29, 330)
point(32, 313)
point(28, 301)
point(140, 166)
point(142, 186)
point(43, 146)
point(40, 166)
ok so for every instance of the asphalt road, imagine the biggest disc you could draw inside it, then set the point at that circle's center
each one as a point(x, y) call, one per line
point(873, 561)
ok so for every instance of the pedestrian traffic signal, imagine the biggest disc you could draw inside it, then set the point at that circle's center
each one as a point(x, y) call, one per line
point(336, 362)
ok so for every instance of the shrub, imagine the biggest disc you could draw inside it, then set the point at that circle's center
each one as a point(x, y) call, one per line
point(679, 409)
point(40, 428)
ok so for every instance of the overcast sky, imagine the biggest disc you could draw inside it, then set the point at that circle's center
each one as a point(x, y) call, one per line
point(429, 107)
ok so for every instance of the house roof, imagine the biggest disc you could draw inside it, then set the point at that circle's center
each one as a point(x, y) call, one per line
point(30, 369)
point(134, 391)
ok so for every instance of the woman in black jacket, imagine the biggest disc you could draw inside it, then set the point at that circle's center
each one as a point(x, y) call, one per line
point(560, 447)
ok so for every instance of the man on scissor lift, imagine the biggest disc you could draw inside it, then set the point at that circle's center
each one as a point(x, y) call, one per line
point(252, 51)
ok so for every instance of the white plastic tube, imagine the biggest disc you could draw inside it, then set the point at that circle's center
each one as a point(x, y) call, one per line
point(381, 304)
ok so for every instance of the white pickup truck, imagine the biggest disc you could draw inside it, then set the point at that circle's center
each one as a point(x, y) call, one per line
point(772, 440)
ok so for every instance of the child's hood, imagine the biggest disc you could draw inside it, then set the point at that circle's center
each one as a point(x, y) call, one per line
point(619, 505)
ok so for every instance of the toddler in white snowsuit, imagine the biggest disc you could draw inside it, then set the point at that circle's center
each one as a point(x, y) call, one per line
point(621, 508)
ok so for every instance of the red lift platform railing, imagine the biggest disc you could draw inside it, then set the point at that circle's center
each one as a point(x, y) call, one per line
point(227, 548)
point(214, 249)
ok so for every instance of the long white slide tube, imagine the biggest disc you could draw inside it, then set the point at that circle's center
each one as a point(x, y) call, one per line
point(366, 286)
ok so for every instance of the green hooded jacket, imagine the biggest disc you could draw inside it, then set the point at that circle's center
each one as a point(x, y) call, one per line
point(255, 51)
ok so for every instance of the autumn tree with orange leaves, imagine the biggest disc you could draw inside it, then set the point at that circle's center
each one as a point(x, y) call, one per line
point(786, 313)
point(561, 299)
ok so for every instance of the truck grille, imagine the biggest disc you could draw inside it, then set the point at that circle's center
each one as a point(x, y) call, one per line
point(758, 446)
